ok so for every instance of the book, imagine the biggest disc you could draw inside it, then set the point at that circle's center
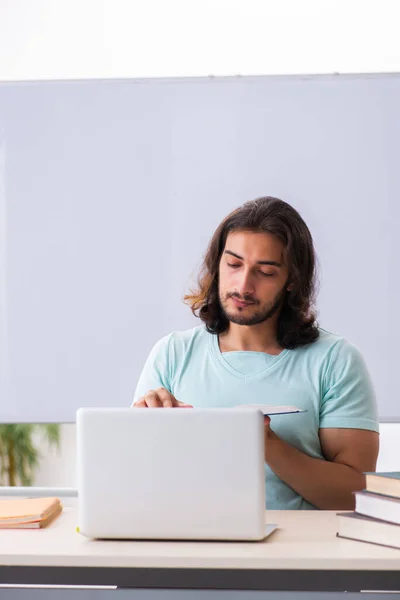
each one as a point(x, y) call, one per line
point(28, 512)
point(387, 483)
point(361, 528)
point(269, 409)
point(378, 506)
point(32, 524)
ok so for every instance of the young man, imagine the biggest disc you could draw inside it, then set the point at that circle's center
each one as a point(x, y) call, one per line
point(259, 344)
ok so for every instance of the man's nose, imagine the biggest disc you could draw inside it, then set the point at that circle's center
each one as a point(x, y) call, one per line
point(245, 284)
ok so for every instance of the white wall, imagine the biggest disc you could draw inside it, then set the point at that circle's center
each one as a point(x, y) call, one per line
point(389, 452)
point(58, 467)
point(42, 39)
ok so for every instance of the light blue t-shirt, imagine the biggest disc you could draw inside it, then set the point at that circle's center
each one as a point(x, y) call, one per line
point(328, 378)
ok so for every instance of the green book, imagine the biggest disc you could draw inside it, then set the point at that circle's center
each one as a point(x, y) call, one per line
point(387, 483)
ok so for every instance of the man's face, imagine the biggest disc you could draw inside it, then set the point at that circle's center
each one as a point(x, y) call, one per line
point(252, 277)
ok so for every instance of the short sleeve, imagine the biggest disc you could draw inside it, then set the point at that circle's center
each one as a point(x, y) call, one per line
point(348, 396)
point(155, 372)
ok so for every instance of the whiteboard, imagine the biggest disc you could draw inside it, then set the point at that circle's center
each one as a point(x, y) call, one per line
point(110, 191)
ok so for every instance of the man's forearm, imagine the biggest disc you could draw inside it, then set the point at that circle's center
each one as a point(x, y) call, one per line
point(325, 484)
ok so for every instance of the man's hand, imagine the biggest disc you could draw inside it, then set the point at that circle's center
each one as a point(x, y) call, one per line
point(160, 398)
point(268, 433)
point(326, 483)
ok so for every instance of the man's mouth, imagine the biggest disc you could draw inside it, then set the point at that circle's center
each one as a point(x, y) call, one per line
point(240, 303)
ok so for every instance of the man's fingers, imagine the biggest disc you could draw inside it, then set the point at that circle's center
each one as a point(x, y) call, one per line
point(159, 398)
point(182, 405)
point(140, 403)
point(152, 400)
point(167, 400)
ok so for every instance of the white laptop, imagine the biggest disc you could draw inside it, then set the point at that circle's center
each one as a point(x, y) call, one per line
point(180, 473)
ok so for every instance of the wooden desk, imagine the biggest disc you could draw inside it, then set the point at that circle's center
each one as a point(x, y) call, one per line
point(303, 554)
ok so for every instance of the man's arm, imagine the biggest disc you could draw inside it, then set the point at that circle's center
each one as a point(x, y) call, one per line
point(328, 484)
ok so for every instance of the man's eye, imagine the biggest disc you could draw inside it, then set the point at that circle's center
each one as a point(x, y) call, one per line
point(233, 266)
point(267, 274)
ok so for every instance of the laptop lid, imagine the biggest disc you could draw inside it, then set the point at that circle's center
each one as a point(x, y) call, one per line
point(171, 473)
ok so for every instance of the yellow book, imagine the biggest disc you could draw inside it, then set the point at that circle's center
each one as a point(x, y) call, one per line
point(28, 512)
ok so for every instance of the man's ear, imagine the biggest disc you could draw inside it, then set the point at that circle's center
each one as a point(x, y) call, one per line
point(290, 287)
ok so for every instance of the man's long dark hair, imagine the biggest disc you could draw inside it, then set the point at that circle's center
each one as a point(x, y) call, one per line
point(297, 321)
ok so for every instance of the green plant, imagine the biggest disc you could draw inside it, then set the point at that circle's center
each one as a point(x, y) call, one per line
point(19, 456)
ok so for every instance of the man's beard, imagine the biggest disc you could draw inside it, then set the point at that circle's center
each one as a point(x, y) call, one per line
point(259, 316)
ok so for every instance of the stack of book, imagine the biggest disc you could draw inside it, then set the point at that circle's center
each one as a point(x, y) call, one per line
point(29, 513)
point(376, 518)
